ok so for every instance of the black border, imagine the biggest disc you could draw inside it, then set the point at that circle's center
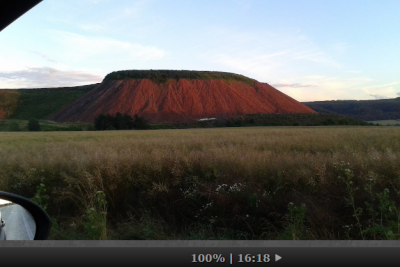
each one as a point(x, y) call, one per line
point(10, 10)
point(172, 256)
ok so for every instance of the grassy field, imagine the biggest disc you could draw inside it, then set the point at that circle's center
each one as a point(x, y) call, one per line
point(254, 183)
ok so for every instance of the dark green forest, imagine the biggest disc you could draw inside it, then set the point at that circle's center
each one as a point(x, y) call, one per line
point(120, 121)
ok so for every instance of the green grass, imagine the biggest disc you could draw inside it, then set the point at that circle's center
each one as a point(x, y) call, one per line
point(258, 183)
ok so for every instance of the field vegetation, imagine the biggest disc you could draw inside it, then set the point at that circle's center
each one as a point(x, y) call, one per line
point(256, 183)
point(272, 119)
point(387, 122)
point(124, 122)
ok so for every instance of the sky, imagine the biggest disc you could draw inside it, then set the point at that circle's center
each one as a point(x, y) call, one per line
point(310, 50)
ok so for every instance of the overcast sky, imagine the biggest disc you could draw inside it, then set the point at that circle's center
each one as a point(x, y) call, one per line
point(308, 49)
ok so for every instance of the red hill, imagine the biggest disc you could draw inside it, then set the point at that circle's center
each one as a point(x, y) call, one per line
point(174, 98)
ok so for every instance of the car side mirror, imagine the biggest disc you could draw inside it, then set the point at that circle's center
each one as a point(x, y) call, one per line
point(22, 219)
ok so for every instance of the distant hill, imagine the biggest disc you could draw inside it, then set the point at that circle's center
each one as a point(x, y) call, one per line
point(178, 96)
point(368, 110)
point(166, 93)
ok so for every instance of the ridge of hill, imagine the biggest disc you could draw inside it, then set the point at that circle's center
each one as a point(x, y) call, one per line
point(368, 110)
point(162, 76)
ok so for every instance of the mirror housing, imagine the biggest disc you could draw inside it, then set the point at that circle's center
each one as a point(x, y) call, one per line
point(42, 220)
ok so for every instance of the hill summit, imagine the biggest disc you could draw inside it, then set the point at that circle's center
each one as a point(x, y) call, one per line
point(161, 76)
point(178, 96)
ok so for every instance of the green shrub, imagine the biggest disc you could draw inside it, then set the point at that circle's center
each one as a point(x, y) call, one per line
point(294, 229)
point(120, 122)
point(96, 217)
point(33, 125)
point(140, 123)
point(41, 198)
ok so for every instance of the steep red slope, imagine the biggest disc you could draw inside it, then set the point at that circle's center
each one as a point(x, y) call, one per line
point(179, 101)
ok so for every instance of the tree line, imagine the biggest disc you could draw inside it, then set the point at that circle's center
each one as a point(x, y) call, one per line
point(120, 122)
point(161, 76)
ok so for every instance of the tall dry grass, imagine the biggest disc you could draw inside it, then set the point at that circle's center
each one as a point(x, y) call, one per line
point(229, 183)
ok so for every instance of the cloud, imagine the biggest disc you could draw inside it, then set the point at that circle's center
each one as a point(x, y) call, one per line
point(44, 56)
point(259, 65)
point(379, 96)
point(398, 93)
point(91, 27)
point(293, 85)
point(319, 87)
point(47, 77)
point(315, 55)
point(381, 86)
point(381, 91)
point(76, 48)
point(250, 64)
point(108, 16)
point(341, 48)
point(256, 55)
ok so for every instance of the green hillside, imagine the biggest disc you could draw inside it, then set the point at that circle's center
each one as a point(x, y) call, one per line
point(8, 103)
point(368, 110)
point(39, 103)
point(161, 76)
